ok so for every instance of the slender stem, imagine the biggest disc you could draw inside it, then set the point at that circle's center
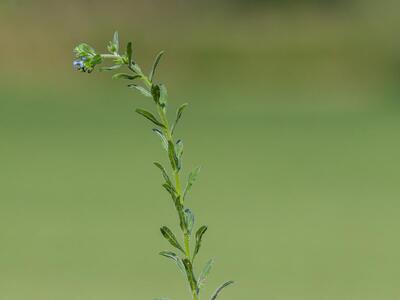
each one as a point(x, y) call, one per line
point(178, 188)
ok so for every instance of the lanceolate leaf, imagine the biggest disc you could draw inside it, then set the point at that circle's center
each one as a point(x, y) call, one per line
point(129, 53)
point(148, 115)
point(199, 236)
point(179, 153)
point(140, 89)
point(175, 258)
point(125, 76)
point(164, 141)
point(163, 95)
point(190, 275)
point(181, 213)
point(204, 273)
point(218, 291)
point(172, 155)
point(189, 220)
point(164, 173)
point(155, 64)
point(178, 116)
point(170, 237)
point(116, 41)
point(110, 68)
point(191, 179)
point(171, 190)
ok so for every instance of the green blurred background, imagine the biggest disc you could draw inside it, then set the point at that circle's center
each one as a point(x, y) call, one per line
point(294, 116)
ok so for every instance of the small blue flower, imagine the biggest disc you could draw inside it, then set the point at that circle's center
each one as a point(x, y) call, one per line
point(79, 65)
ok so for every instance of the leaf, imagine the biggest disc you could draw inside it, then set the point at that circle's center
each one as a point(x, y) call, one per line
point(159, 93)
point(199, 236)
point(116, 40)
point(155, 92)
point(189, 220)
point(140, 89)
point(218, 291)
point(191, 179)
point(179, 153)
point(179, 148)
point(172, 155)
point(163, 95)
point(129, 53)
point(181, 213)
point(178, 116)
point(110, 68)
point(125, 76)
point(161, 299)
point(175, 258)
point(190, 274)
point(164, 141)
point(164, 173)
point(148, 115)
point(171, 190)
point(155, 64)
point(204, 273)
point(170, 237)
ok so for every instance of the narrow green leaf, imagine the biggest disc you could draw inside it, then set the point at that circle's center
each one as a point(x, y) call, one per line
point(171, 190)
point(179, 153)
point(181, 213)
point(155, 64)
point(190, 274)
point(129, 53)
point(179, 148)
point(116, 41)
point(125, 76)
point(163, 95)
point(111, 68)
point(164, 173)
point(175, 258)
point(164, 141)
point(178, 116)
point(191, 179)
point(218, 291)
point(204, 273)
point(172, 155)
point(189, 220)
point(155, 92)
point(140, 89)
point(148, 115)
point(170, 237)
point(199, 236)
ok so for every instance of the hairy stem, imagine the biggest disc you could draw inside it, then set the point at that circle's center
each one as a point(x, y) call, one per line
point(169, 136)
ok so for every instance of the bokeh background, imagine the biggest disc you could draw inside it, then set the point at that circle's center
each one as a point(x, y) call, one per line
point(294, 116)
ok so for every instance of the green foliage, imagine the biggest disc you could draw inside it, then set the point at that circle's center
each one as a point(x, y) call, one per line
point(178, 261)
point(191, 179)
point(113, 46)
point(171, 238)
point(148, 115)
point(155, 64)
point(204, 273)
point(179, 113)
point(86, 60)
point(219, 289)
point(199, 236)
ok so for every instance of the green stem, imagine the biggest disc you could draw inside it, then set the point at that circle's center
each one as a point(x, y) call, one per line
point(178, 188)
